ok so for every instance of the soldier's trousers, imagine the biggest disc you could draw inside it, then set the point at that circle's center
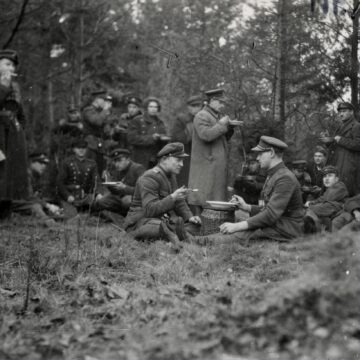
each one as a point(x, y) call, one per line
point(29, 208)
point(115, 203)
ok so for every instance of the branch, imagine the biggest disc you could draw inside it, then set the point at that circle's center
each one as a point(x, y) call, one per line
point(20, 18)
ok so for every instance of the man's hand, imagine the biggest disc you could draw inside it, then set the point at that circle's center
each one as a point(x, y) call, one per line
point(337, 138)
point(240, 203)
point(195, 220)
point(54, 209)
point(326, 139)
point(98, 197)
point(118, 186)
point(156, 136)
point(180, 194)
point(5, 78)
point(230, 228)
point(224, 120)
point(70, 199)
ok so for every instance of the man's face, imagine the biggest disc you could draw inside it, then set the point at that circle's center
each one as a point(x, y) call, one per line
point(133, 109)
point(217, 105)
point(356, 213)
point(6, 65)
point(264, 159)
point(194, 109)
point(345, 114)
point(298, 172)
point(74, 116)
point(319, 158)
point(80, 152)
point(38, 167)
point(330, 180)
point(153, 108)
point(121, 163)
point(173, 164)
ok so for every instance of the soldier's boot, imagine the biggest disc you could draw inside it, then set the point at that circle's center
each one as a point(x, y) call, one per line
point(169, 235)
point(185, 236)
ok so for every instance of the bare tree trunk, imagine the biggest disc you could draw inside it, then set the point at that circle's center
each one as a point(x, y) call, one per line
point(280, 79)
point(81, 53)
point(354, 79)
point(51, 103)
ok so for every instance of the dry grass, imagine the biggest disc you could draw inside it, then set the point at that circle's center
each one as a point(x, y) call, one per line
point(96, 294)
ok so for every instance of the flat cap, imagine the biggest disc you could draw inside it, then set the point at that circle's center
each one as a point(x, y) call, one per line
point(9, 54)
point(266, 143)
point(195, 100)
point(218, 94)
point(173, 149)
point(80, 143)
point(101, 93)
point(298, 163)
point(40, 157)
point(133, 100)
point(345, 106)
point(321, 149)
point(117, 153)
point(150, 99)
point(330, 170)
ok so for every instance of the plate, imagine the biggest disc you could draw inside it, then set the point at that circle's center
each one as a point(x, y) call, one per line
point(165, 138)
point(236, 122)
point(110, 183)
point(221, 205)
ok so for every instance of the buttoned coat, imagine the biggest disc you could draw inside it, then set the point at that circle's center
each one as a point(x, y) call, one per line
point(345, 155)
point(209, 160)
point(152, 199)
point(281, 217)
point(77, 177)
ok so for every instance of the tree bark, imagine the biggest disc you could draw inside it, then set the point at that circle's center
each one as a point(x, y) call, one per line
point(354, 79)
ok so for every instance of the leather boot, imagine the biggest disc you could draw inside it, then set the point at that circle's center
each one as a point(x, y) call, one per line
point(170, 236)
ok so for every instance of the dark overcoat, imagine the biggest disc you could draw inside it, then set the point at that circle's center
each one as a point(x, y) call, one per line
point(345, 155)
point(209, 160)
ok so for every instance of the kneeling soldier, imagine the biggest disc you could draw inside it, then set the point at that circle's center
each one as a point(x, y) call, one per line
point(158, 207)
point(124, 173)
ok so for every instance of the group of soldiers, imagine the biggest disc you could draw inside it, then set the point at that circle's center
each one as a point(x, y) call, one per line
point(155, 182)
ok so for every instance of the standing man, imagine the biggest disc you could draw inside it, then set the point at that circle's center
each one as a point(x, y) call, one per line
point(125, 173)
point(182, 131)
point(95, 117)
point(13, 155)
point(344, 148)
point(208, 166)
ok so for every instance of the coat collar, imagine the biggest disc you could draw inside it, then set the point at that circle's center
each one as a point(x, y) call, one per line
point(211, 111)
point(274, 169)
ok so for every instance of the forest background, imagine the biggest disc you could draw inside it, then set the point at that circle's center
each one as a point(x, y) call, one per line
point(284, 66)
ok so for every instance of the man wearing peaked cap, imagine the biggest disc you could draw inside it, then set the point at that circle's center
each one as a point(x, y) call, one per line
point(279, 215)
point(344, 148)
point(322, 210)
point(121, 175)
point(209, 155)
point(159, 207)
point(182, 131)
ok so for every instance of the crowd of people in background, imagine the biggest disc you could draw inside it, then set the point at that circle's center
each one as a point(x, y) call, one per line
point(129, 165)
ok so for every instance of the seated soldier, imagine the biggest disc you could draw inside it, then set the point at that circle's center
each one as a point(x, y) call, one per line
point(249, 184)
point(125, 173)
point(281, 216)
point(298, 168)
point(78, 178)
point(36, 204)
point(322, 210)
point(349, 218)
point(158, 205)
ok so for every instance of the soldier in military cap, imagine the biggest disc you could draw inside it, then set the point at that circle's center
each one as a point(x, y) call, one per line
point(147, 134)
point(13, 155)
point(36, 203)
point(322, 210)
point(78, 177)
point(182, 131)
point(95, 117)
point(212, 131)
point(344, 148)
point(158, 204)
point(124, 172)
point(279, 215)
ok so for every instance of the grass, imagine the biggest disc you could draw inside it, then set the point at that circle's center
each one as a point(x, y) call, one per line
point(94, 293)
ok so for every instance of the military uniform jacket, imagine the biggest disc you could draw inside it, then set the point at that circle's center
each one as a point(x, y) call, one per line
point(76, 177)
point(331, 202)
point(283, 207)
point(140, 137)
point(152, 198)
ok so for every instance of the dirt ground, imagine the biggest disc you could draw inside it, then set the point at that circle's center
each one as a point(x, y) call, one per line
point(86, 291)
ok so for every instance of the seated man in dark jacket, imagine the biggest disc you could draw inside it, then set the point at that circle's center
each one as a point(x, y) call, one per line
point(322, 210)
point(123, 173)
point(158, 204)
point(349, 217)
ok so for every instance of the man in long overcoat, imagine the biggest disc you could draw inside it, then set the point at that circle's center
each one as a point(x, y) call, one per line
point(344, 148)
point(209, 160)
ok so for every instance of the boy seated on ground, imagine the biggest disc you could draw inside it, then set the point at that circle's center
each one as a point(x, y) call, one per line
point(321, 211)
point(36, 204)
point(349, 218)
